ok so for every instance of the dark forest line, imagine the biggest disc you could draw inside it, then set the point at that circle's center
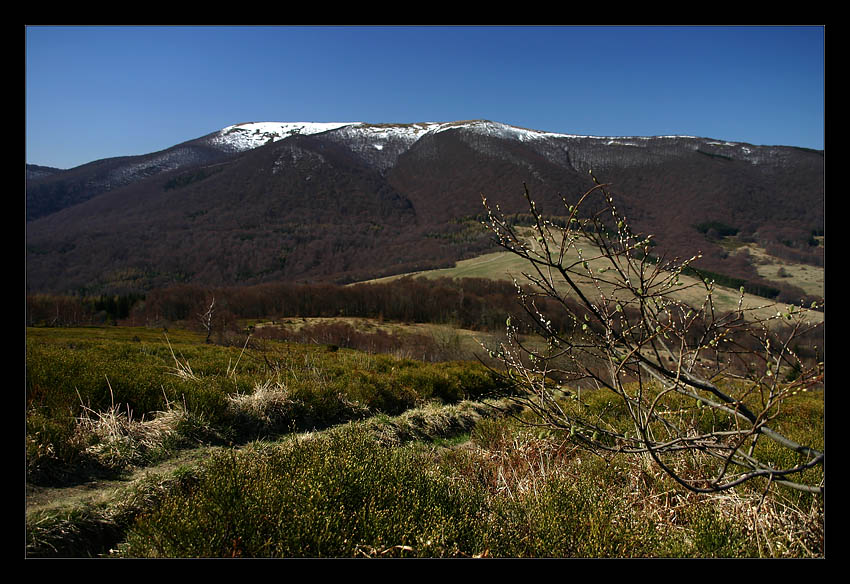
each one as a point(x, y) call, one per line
point(468, 303)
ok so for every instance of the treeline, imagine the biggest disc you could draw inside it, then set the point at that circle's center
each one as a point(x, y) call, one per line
point(62, 310)
point(472, 303)
point(750, 287)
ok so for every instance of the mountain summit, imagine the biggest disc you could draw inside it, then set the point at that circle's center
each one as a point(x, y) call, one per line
point(264, 201)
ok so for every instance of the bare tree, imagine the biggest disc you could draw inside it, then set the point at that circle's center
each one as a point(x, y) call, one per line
point(206, 319)
point(691, 381)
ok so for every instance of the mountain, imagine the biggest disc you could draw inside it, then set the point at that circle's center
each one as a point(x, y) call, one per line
point(259, 202)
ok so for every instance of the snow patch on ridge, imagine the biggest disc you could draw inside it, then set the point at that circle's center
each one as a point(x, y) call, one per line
point(246, 136)
point(241, 137)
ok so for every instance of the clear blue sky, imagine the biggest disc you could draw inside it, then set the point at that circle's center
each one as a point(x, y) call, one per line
point(97, 92)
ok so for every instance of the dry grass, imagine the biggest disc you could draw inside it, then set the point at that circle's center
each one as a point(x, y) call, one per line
point(115, 440)
point(269, 403)
point(521, 465)
point(809, 278)
point(507, 266)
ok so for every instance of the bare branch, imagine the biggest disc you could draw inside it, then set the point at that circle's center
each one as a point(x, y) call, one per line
point(690, 379)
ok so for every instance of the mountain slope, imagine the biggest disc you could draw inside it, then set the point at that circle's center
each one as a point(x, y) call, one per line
point(319, 201)
point(51, 190)
point(295, 209)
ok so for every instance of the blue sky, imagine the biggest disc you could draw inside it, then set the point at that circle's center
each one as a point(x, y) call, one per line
point(97, 92)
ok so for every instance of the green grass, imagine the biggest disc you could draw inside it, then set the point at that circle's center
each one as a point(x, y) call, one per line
point(94, 395)
point(400, 459)
point(337, 497)
point(344, 494)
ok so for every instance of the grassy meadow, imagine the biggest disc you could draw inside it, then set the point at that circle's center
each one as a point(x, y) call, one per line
point(142, 442)
point(504, 265)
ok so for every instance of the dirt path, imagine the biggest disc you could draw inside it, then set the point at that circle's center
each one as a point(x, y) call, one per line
point(101, 491)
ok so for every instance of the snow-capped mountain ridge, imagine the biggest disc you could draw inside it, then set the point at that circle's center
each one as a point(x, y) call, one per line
point(245, 136)
point(269, 201)
point(382, 144)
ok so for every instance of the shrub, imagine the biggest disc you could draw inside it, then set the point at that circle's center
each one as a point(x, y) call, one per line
point(649, 350)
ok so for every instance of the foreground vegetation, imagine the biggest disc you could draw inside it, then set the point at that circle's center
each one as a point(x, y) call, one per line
point(269, 448)
point(84, 386)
